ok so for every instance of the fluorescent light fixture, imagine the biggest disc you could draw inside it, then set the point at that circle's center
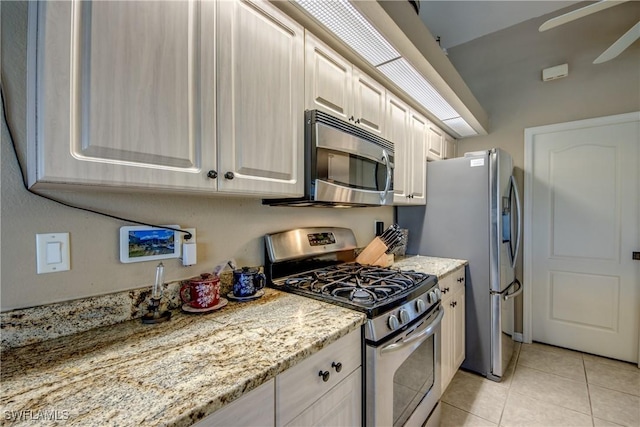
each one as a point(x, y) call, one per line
point(416, 86)
point(460, 126)
point(343, 20)
point(346, 22)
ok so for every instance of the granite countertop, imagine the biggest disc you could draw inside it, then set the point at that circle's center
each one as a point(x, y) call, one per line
point(173, 373)
point(441, 267)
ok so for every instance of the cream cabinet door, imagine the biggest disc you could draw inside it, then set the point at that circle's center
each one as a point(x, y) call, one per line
point(125, 107)
point(450, 149)
point(453, 325)
point(397, 131)
point(328, 80)
point(369, 102)
point(417, 161)
point(339, 407)
point(255, 409)
point(458, 346)
point(260, 100)
point(435, 150)
point(408, 131)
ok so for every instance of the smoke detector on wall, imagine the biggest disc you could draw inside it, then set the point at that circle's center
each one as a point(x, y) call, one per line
point(617, 47)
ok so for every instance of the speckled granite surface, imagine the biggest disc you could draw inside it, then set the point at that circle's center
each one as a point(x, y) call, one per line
point(172, 373)
point(36, 324)
point(440, 267)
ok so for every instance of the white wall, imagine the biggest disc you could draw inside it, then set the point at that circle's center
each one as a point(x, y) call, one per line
point(226, 227)
point(504, 70)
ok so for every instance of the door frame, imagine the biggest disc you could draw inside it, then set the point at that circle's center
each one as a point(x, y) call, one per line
point(527, 250)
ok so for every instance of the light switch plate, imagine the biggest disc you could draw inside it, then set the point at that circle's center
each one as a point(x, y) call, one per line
point(52, 253)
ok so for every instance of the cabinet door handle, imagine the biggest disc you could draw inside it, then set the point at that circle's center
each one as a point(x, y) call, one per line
point(325, 375)
point(229, 175)
point(337, 366)
point(212, 174)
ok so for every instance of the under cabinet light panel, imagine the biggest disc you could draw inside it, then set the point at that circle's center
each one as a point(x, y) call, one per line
point(342, 19)
point(460, 126)
point(417, 87)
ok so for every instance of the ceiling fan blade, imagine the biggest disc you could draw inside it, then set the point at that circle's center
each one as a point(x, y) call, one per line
point(579, 13)
point(620, 45)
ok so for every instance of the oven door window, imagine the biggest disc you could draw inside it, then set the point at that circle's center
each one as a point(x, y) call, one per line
point(350, 170)
point(412, 381)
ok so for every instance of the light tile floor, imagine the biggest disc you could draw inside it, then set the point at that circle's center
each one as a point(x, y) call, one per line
point(547, 386)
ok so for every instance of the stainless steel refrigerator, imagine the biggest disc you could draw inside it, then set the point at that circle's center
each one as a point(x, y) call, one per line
point(473, 213)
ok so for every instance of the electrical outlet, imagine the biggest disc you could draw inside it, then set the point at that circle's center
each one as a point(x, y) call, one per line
point(193, 235)
point(378, 228)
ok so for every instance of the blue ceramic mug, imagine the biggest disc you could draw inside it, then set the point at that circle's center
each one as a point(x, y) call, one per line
point(247, 281)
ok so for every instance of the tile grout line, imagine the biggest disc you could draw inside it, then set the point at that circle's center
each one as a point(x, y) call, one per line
point(586, 377)
point(515, 366)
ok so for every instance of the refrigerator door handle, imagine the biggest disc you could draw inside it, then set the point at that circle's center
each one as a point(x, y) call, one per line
point(519, 222)
point(508, 295)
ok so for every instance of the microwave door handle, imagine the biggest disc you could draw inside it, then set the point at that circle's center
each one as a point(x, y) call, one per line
point(426, 333)
point(518, 228)
point(387, 163)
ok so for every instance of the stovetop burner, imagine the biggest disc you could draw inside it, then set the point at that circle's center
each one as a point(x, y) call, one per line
point(355, 283)
point(366, 288)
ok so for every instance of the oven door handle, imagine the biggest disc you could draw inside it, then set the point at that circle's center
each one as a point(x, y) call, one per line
point(426, 333)
point(387, 163)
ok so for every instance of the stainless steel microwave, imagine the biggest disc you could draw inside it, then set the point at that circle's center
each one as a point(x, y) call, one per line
point(345, 166)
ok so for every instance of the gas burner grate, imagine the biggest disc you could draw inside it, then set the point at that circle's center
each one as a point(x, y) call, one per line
point(359, 284)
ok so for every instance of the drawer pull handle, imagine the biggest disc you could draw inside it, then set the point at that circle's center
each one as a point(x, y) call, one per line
point(325, 375)
point(337, 366)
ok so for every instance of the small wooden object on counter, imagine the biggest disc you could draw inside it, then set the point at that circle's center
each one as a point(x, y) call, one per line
point(372, 252)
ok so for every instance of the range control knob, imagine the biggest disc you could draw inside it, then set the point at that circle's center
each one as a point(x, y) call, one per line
point(438, 293)
point(420, 306)
point(404, 316)
point(433, 297)
point(393, 322)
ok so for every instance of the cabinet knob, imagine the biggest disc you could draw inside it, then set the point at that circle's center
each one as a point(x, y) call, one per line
point(351, 118)
point(337, 366)
point(453, 303)
point(460, 279)
point(358, 121)
point(445, 290)
point(229, 175)
point(212, 174)
point(325, 375)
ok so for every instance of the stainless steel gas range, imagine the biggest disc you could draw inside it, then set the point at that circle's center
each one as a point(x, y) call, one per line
point(401, 336)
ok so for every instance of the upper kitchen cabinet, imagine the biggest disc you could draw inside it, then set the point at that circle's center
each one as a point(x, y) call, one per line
point(436, 145)
point(409, 131)
point(167, 96)
point(334, 86)
point(450, 147)
point(260, 100)
point(117, 98)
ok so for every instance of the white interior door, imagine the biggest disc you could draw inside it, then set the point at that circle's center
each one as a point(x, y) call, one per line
point(582, 197)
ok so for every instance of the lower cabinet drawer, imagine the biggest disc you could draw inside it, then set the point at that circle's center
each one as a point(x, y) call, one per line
point(253, 409)
point(299, 387)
